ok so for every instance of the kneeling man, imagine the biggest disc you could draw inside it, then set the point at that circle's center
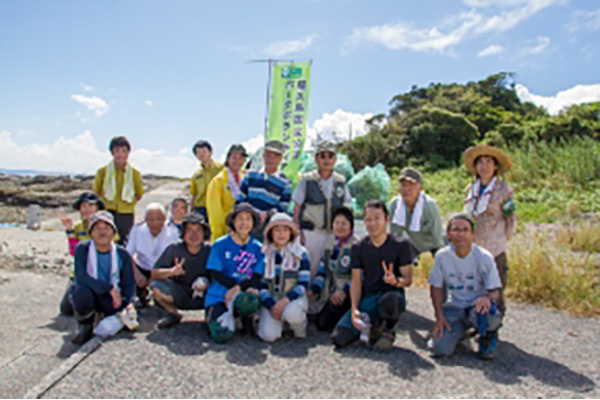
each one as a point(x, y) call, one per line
point(179, 276)
point(381, 269)
point(469, 274)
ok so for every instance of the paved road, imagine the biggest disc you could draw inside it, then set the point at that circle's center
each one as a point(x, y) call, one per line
point(542, 354)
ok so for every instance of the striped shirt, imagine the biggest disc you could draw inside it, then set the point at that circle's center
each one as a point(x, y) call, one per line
point(265, 192)
point(291, 284)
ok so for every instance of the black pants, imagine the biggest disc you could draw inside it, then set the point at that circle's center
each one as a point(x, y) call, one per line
point(66, 308)
point(329, 316)
point(124, 223)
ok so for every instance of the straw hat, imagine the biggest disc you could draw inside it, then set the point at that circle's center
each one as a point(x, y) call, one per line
point(471, 154)
point(281, 219)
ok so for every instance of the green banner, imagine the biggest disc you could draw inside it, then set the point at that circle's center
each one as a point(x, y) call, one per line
point(288, 108)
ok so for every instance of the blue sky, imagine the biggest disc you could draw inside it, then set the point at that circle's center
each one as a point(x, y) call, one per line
point(167, 73)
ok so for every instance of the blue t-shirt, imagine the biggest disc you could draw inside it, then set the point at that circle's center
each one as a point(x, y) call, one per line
point(238, 262)
point(104, 266)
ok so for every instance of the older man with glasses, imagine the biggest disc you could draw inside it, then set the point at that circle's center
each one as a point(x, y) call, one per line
point(318, 194)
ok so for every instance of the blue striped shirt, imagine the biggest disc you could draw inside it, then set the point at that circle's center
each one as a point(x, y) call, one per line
point(266, 192)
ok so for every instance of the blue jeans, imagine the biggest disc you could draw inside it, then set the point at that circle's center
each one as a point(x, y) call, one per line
point(382, 308)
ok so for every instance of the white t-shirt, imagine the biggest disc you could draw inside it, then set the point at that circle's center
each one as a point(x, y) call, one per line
point(299, 194)
point(467, 278)
point(148, 248)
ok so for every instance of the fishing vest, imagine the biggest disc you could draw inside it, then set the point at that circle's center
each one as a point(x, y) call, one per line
point(317, 209)
point(339, 271)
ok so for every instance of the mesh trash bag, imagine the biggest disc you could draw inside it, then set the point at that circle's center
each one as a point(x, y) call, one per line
point(369, 183)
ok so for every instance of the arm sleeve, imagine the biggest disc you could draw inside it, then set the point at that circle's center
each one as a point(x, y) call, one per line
point(347, 195)
point(139, 184)
point(81, 275)
point(406, 255)
point(437, 230)
point(436, 277)
point(299, 194)
point(128, 286)
point(491, 279)
point(99, 182)
point(357, 262)
point(243, 196)
point(319, 281)
point(131, 242)
point(218, 276)
point(286, 197)
point(511, 220)
point(253, 282)
point(303, 279)
point(266, 299)
point(214, 207)
point(192, 185)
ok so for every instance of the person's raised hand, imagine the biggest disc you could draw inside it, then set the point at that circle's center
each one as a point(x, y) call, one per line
point(177, 269)
point(388, 274)
point(65, 220)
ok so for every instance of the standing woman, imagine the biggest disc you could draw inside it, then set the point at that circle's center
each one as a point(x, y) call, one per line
point(490, 202)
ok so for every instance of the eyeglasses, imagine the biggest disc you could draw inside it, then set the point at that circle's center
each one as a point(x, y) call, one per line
point(463, 230)
point(326, 155)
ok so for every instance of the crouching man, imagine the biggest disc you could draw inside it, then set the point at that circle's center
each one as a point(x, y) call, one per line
point(104, 280)
point(179, 276)
point(470, 276)
point(381, 269)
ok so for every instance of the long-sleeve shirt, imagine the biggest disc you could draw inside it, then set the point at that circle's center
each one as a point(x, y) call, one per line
point(493, 228)
point(219, 203)
point(266, 192)
point(291, 283)
point(103, 286)
point(233, 264)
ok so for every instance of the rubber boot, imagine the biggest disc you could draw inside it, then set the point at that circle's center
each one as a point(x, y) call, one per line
point(86, 329)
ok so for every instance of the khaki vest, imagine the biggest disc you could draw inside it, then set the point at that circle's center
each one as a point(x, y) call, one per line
point(317, 209)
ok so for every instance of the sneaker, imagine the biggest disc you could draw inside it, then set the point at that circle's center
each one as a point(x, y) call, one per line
point(386, 342)
point(487, 346)
point(169, 321)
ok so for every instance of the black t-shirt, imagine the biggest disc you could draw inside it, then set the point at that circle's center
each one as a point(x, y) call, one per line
point(194, 265)
point(368, 257)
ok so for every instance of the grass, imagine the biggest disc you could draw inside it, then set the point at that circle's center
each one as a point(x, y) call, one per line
point(557, 265)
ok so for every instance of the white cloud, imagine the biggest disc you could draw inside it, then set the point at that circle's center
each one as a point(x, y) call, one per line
point(149, 103)
point(283, 48)
point(491, 50)
point(543, 43)
point(93, 104)
point(86, 88)
point(338, 125)
point(453, 29)
point(554, 104)
point(584, 20)
point(81, 155)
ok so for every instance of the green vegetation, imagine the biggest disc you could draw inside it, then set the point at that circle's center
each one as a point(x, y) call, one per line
point(556, 177)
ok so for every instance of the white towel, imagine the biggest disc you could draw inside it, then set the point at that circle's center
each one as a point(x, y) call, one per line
point(475, 204)
point(92, 264)
point(109, 186)
point(233, 185)
point(402, 209)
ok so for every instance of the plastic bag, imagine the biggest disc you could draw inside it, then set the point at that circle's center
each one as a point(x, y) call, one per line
point(109, 326)
point(369, 183)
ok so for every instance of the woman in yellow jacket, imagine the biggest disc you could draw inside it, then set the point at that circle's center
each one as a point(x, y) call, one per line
point(223, 191)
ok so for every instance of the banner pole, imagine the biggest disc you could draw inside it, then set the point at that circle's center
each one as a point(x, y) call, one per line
point(268, 98)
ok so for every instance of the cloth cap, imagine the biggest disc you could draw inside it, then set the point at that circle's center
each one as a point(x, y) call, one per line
point(103, 216)
point(325, 145)
point(246, 304)
point(411, 174)
point(238, 209)
point(275, 146)
point(281, 219)
point(89, 197)
point(195, 218)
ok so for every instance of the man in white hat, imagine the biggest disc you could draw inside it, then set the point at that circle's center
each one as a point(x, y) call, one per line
point(104, 279)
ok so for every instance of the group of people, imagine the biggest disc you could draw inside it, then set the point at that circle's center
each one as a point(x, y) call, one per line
point(261, 257)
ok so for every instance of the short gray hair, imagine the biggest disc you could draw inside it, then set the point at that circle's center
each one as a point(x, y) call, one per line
point(155, 207)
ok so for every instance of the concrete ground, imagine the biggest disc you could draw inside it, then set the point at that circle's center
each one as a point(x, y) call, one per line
point(542, 353)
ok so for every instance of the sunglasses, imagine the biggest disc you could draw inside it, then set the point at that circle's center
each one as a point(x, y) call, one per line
point(326, 155)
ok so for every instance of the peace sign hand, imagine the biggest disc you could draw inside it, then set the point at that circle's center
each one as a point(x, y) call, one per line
point(388, 274)
point(177, 269)
point(65, 220)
